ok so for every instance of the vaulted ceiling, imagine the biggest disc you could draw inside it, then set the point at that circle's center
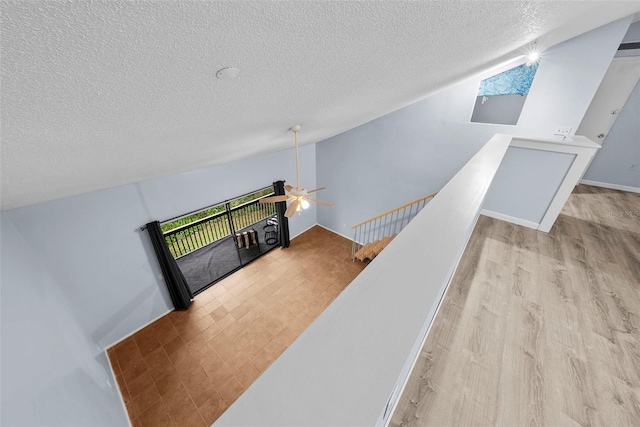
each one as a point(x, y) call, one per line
point(97, 94)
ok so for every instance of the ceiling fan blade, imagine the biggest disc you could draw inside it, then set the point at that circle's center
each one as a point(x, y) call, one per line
point(293, 206)
point(311, 199)
point(274, 199)
point(317, 189)
point(288, 187)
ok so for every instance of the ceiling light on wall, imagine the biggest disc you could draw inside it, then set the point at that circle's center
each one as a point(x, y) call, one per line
point(228, 73)
point(534, 54)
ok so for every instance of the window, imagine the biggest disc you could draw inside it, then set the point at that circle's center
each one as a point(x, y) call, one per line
point(501, 97)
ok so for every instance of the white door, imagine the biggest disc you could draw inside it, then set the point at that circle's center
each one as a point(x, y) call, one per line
point(616, 86)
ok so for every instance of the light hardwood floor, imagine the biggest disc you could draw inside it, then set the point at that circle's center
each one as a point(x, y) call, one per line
point(538, 329)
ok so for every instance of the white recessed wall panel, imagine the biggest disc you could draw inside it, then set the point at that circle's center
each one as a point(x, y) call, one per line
point(527, 182)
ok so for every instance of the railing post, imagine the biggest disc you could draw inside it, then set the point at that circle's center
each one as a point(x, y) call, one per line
point(373, 231)
point(365, 240)
point(199, 235)
point(384, 234)
point(187, 240)
point(353, 244)
point(386, 224)
point(376, 230)
point(230, 219)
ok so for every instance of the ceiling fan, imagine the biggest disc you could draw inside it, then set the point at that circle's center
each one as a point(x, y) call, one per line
point(299, 196)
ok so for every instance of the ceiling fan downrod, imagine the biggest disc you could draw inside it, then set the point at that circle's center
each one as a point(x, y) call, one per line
point(298, 196)
point(295, 129)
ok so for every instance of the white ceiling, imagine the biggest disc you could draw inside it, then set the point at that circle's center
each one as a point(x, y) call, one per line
point(97, 94)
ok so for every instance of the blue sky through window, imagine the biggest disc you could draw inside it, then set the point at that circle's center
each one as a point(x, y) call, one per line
point(516, 80)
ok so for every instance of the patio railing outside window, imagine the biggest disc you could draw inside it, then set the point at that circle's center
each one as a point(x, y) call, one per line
point(198, 234)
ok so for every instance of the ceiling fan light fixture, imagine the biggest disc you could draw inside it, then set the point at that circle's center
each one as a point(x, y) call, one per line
point(298, 196)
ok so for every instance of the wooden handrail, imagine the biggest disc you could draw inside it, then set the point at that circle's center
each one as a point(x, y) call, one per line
point(396, 209)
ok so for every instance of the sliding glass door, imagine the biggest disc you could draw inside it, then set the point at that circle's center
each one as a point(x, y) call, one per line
point(213, 242)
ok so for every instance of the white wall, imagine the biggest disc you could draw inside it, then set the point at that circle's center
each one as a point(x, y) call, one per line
point(52, 374)
point(567, 79)
point(526, 183)
point(78, 275)
point(342, 369)
point(633, 35)
point(90, 275)
point(620, 149)
point(413, 151)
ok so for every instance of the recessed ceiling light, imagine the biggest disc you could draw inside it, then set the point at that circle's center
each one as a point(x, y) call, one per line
point(228, 73)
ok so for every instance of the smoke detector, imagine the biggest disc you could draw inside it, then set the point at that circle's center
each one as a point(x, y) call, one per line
point(229, 73)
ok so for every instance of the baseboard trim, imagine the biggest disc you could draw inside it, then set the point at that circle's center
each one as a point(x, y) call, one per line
point(511, 219)
point(611, 186)
point(170, 310)
point(140, 328)
point(335, 232)
point(113, 373)
point(111, 366)
point(321, 226)
point(303, 231)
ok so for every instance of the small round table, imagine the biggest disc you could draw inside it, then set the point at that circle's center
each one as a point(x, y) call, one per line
point(270, 234)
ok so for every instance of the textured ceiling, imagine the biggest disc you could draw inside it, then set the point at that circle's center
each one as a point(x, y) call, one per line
point(96, 94)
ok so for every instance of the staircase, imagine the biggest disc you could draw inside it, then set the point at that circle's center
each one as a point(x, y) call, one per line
point(370, 250)
point(370, 237)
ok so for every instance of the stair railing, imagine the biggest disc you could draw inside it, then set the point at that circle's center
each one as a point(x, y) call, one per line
point(372, 235)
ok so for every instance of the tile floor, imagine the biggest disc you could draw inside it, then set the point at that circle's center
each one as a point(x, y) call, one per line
point(186, 368)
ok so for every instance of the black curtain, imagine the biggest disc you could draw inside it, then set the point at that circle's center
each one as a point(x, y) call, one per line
point(178, 289)
point(283, 221)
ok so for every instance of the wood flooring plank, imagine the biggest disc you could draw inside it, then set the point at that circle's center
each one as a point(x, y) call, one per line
point(538, 328)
